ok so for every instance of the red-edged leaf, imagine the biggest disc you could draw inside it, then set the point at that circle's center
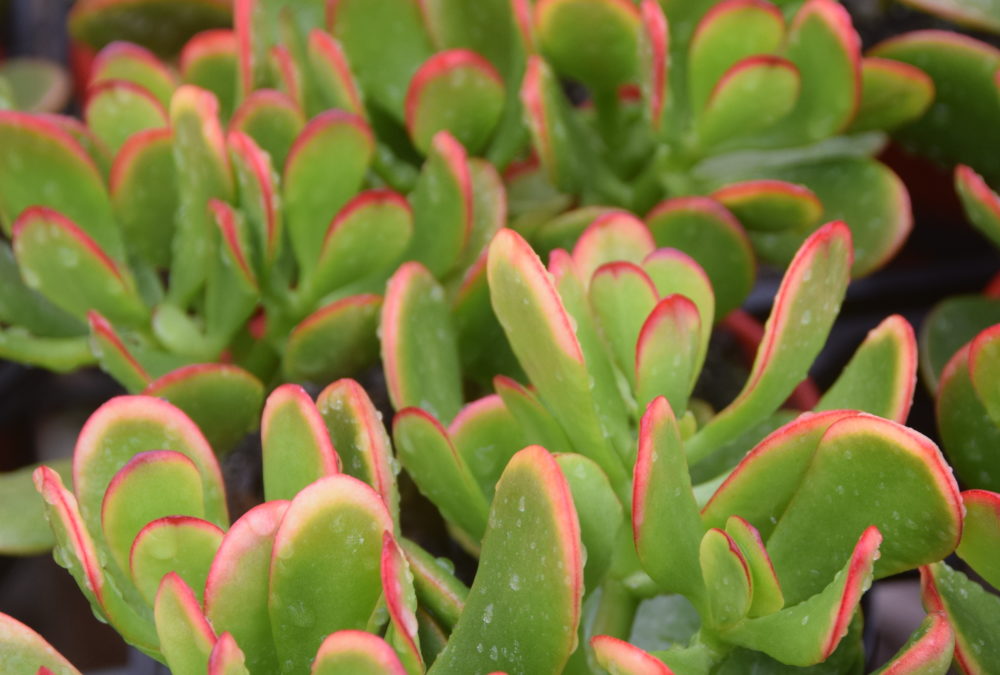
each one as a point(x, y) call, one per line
point(180, 545)
point(258, 200)
point(537, 423)
point(401, 601)
point(286, 71)
point(881, 376)
point(186, 638)
point(728, 582)
point(771, 205)
point(928, 651)
point(350, 652)
point(981, 204)
point(296, 446)
point(618, 656)
point(893, 93)
point(272, 119)
point(612, 237)
point(356, 430)
point(667, 358)
point(458, 91)
point(21, 647)
point(133, 63)
point(546, 111)
point(981, 534)
point(336, 340)
point(654, 41)
point(162, 27)
point(227, 657)
point(117, 109)
point(236, 590)
point(210, 60)
point(971, 611)
point(114, 357)
point(331, 74)
point(438, 591)
point(766, 596)
point(334, 528)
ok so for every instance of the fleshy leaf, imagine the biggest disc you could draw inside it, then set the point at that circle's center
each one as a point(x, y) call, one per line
point(592, 41)
point(881, 376)
point(442, 206)
point(116, 109)
point(236, 589)
point(727, 580)
point(729, 32)
point(355, 652)
point(810, 631)
point(458, 91)
point(331, 74)
point(334, 341)
point(804, 309)
point(22, 650)
point(186, 637)
point(667, 359)
point(143, 186)
point(154, 484)
point(401, 601)
point(325, 168)
point(356, 430)
point(296, 447)
point(58, 259)
point(161, 25)
point(537, 423)
point(442, 474)
point(618, 656)
point(42, 164)
point(541, 334)
point(223, 400)
point(209, 60)
point(272, 119)
point(654, 43)
point(334, 527)
point(114, 356)
point(418, 345)
point(893, 93)
point(675, 272)
point(438, 591)
point(710, 234)
point(981, 534)
point(532, 520)
point(665, 520)
point(771, 205)
point(24, 307)
point(258, 201)
point(755, 93)
point(547, 116)
point(133, 63)
point(616, 236)
point(766, 596)
point(948, 327)
point(928, 651)
point(981, 204)
point(364, 239)
point(972, 612)
point(23, 527)
point(226, 657)
point(179, 545)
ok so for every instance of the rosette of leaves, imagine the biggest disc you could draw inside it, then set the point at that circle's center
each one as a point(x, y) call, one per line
point(318, 579)
point(764, 554)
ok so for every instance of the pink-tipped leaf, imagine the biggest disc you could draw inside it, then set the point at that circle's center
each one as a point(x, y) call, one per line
point(893, 93)
point(210, 60)
point(22, 650)
point(667, 360)
point(929, 650)
point(766, 595)
point(971, 612)
point(770, 205)
point(272, 119)
point(981, 534)
point(619, 656)
point(227, 658)
point(612, 237)
point(186, 637)
point(401, 601)
point(114, 356)
point(296, 447)
point(126, 61)
point(336, 340)
point(728, 583)
point(981, 204)
point(176, 544)
point(355, 652)
point(117, 109)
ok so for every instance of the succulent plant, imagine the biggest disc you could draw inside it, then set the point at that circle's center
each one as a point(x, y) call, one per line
point(759, 517)
point(161, 25)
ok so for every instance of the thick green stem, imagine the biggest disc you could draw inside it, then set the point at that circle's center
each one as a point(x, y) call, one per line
point(615, 611)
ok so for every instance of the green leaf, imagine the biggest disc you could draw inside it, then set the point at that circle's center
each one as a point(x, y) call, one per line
point(296, 447)
point(753, 94)
point(203, 173)
point(132, 62)
point(364, 240)
point(226, 657)
point(710, 234)
point(272, 119)
point(771, 205)
point(34, 85)
point(223, 400)
point(441, 473)
point(22, 306)
point(981, 534)
point(968, 432)
point(42, 164)
point(179, 545)
point(355, 652)
point(401, 601)
point(442, 207)
point(675, 272)
point(144, 194)
point(956, 128)
point(154, 484)
point(331, 75)
point(489, 211)
point(622, 296)
point(727, 580)
point(419, 353)
point(59, 260)
point(981, 204)
point(259, 202)
point(161, 25)
point(186, 637)
point(618, 656)
point(356, 430)
point(385, 42)
point(948, 327)
point(972, 611)
point(727, 34)
point(893, 93)
point(766, 597)
point(438, 591)
point(117, 109)
point(880, 377)
point(530, 579)
point(325, 168)
point(809, 632)
point(927, 652)
point(61, 355)
point(804, 309)
point(666, 353)
point(486, 435)
point(592, 41)
point(654, 60)
point(334, 341)
point(23, 528)
point(536, 422)
point(539, 330)
point(665, 519)
point(209, 60)
point(236, 589)
point(329, 540)
point(24, 652)
point(616, 236)
point(457, 91)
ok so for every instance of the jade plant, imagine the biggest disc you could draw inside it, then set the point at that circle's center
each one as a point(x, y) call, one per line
point(766, 522)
